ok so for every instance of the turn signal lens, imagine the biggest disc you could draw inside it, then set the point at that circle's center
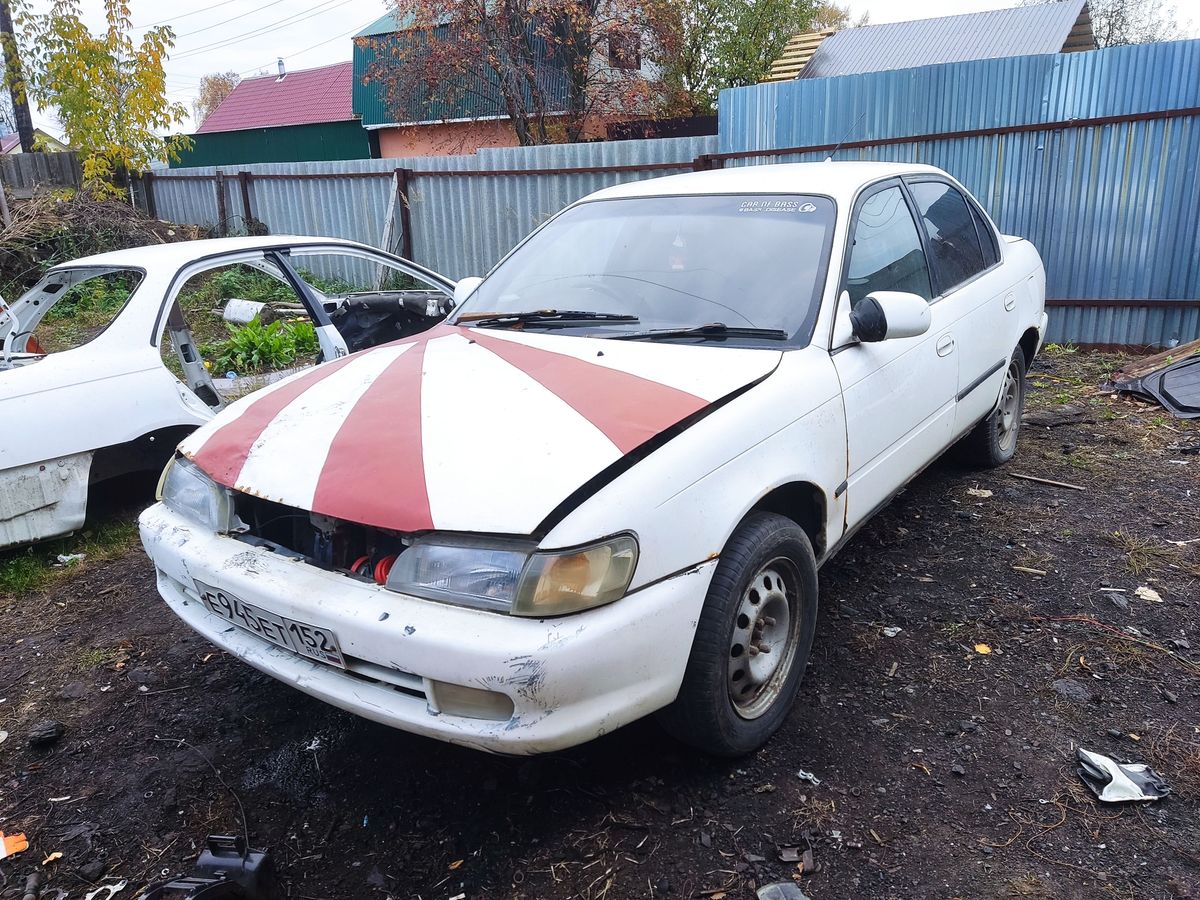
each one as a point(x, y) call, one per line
point(555, 584)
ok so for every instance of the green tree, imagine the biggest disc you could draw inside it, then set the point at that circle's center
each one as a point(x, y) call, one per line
point(716, 44)
point(109, 93)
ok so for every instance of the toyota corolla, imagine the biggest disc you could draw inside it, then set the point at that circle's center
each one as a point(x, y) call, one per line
point(603, 487)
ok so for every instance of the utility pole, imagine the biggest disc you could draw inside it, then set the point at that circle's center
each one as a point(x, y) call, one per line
point(16, 79)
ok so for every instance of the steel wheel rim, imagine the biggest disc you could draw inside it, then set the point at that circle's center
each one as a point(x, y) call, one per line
point(768, 616)
point(1010, 409)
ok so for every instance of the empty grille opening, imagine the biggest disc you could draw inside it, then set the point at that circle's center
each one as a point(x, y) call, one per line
point(329, 543)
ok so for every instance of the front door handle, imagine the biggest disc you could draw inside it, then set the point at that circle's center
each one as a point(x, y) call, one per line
point(945, 345)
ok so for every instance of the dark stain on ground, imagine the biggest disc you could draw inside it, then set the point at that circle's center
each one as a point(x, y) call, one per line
point(945, 771)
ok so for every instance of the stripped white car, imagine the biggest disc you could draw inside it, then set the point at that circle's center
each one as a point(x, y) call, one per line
point(108, 406)
point(604, 486)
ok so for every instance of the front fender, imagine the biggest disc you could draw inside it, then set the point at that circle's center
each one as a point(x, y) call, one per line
point(685, 499)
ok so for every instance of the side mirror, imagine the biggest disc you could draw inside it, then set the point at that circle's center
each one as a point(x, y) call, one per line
point(465, 288)
point(884, 315)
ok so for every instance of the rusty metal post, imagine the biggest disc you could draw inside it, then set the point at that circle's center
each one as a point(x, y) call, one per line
point(244, 184)
point(222, 212)
point(406, 235)
point(148, 190)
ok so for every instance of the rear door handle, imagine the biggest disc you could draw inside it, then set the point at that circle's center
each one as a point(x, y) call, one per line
point(945, 345)
point(1010, 301)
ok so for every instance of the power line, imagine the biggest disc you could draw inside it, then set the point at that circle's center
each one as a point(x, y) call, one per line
point(184, 15)
point(227, 21)
point(295, 19)
point(337, 37)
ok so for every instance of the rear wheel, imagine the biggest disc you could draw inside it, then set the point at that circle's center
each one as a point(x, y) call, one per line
point(993, 441)
point(752, 641)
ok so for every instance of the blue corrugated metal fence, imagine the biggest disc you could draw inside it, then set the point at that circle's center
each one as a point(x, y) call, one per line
point(1114, 207)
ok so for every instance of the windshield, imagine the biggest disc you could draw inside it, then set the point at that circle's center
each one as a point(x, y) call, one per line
point(744, 261)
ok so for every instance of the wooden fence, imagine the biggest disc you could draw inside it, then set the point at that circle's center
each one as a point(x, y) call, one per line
point(22, 173)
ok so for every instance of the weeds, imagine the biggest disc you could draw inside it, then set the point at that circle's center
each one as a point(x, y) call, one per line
point(33, 568)
point(255, 347)
point(1140, 553)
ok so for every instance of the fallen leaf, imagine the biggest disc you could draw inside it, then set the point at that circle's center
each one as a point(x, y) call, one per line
point(983, 493)
point(1148, 593)
point(57, 854)
point(983, 649)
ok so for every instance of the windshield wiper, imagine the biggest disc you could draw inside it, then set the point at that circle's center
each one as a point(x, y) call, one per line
point(713, 329)
point(565, 317)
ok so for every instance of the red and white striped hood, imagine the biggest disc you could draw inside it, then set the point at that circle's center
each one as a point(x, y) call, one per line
point(462, 429)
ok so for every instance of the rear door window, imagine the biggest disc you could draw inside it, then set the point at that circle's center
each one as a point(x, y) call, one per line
point(956, 254)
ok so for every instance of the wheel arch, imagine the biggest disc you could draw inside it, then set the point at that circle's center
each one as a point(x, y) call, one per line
point(144, 453)
point(1029, 345)
point(805, 504)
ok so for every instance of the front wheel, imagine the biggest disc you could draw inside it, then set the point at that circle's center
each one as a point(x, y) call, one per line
point(993, 442)
point(752, 641)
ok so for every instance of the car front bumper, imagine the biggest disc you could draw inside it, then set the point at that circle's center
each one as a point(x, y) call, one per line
point(570, 679)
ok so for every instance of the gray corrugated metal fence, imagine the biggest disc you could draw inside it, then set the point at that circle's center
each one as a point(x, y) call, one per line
point(460, 226)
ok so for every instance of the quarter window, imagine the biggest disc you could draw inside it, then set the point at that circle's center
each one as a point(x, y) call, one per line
point(954, 247)
point(887, 254)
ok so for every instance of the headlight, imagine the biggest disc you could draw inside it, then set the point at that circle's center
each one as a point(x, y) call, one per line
point(512, 576)
point(192, 494)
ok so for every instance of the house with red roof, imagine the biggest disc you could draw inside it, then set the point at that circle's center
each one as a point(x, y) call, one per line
point(297, 116)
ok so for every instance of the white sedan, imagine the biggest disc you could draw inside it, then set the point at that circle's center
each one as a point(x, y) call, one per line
point(603, 487)
point(104, 404)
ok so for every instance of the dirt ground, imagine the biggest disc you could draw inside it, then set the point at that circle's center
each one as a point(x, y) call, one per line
point(944, 750)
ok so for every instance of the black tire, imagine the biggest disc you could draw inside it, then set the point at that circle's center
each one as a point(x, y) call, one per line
point(993, 441)
point(773, 556)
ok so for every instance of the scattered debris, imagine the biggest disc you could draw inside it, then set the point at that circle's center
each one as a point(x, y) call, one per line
point(789, 854)
point(1029, 571)
point(781, 890)
point(65, 559)
point(1067, 414)
point(45, 733)
point(1173, 383)
point(107, 891)
point(12, 844)
point(1145, 592)
point(3, 736)
point(982, 493)
point(1070, 689)
point(809, 777)
point(1059, 484)
point(1114, 782)
point(53, 857)
point(888, 631)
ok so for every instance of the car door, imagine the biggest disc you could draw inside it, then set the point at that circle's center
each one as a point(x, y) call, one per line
point(898, 393)
point(964, 259)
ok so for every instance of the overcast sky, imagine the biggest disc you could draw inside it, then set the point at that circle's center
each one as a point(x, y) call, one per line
point(247, 36)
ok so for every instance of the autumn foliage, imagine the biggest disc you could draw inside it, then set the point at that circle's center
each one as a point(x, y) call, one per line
point(108, 92)
point(554, 68)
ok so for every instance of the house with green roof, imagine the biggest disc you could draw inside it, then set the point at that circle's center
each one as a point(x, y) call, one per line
point(463, 112)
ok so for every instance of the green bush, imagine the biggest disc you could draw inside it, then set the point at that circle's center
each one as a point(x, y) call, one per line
point(255, 347)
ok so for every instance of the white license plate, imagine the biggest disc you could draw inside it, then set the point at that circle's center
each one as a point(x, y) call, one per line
point(308, 640)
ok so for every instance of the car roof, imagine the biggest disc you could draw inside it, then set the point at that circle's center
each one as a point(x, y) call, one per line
point(840, 180)
point(181, 253)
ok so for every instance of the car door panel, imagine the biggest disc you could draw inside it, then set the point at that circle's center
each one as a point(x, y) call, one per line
point(974, 289)
point(899, 394)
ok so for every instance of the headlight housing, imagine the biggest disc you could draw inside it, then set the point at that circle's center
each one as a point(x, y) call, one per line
point(195, 496)
point(514, 577)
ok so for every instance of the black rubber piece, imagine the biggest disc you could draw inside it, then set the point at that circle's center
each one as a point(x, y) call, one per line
point(703, 714)
point(981, 447)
